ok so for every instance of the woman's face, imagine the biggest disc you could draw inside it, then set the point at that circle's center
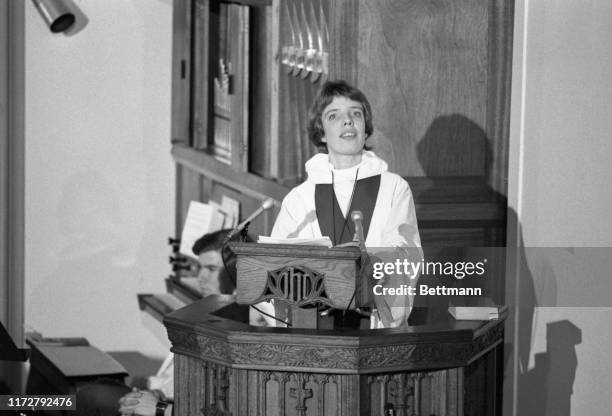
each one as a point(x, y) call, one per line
point(344, 127)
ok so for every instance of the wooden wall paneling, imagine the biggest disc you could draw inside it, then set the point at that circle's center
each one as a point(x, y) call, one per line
point(253, 2)
point(284, 39)
point(430, 60)
point(289, 133)
point(454, 399)
point(288, 112)
point(330, 396)
point(189, 189)
point(203, 26)
point(275, 105)
point(207, 188)
point(285, 117)
point(238, 406)
point(287, 122)
point(479, 378)
point(315, 383)
point(12, 188)
point(240, 85)
point(501, 23)
point(181, 71)
point(428, 393)
point(219, 189)
point(218, 127)
point(208, 382)
point(269, 218)
point(375, 393)
point(261, 225)
point(308, 149)
point(189, 376)
point(298, 137)
point(5, 173)
point(458, 189)
point(270, 385)
point(212, 179)
point(246, 183)
point(452, 237)
point(264, 65)
point(466, 214)
point(178, 200)
point(252, 393)
point(296, 89)
point(344, 32)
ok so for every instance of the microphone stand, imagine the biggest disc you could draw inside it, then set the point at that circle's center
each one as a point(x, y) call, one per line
point(245, 232)
point(359, 239)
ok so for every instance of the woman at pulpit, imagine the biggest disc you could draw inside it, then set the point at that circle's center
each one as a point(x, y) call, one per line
point(346, 176)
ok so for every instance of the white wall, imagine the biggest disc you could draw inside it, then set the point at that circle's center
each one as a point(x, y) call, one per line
point(99, 176)
point(560, 174)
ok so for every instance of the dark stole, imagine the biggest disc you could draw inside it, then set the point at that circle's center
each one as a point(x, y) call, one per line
point(331, 221)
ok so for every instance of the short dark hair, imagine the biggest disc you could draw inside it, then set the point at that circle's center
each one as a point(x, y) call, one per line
point(214, 241)
point(324, 97)
point(210, 241)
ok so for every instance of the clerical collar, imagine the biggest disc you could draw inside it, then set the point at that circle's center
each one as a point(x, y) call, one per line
point(347, 173)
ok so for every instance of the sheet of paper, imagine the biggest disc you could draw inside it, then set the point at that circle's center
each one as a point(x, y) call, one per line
point(324, 241)
point(221, 212)
point(201, 219)
point(232, 208)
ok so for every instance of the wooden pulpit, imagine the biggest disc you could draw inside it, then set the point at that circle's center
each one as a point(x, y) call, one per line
point(224, 366)
point(300, 280)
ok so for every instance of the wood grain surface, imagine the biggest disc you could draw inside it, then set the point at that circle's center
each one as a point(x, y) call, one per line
point(255, 261)
point(420, 60)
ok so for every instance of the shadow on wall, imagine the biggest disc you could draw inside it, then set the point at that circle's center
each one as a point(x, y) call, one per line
point(455, 146)
point(546, 389)
point(455, 154)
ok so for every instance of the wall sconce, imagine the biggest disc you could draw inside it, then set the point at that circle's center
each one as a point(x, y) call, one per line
point(57, 14)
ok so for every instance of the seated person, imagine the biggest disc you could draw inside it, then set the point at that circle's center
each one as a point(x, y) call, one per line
point(216, 278)
point(213, 279)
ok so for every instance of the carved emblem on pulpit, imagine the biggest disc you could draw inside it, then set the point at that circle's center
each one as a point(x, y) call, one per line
point(301, 393)
point(220, 384)
point(298, 286)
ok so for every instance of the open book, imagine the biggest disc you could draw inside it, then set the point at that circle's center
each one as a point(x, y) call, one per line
point(323, 241)
point(201, 218)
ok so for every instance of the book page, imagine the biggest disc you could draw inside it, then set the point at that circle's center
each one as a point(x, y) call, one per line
point(323, 241)
point(201, 219)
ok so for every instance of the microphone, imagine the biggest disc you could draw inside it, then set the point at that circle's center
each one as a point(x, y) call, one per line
point(357, 218)
point(265, 205)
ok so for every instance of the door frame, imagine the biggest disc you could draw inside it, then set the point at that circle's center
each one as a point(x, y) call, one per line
point(12, 180)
